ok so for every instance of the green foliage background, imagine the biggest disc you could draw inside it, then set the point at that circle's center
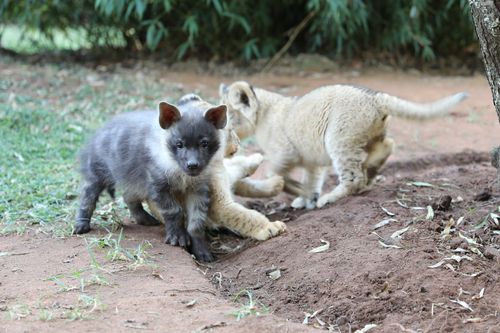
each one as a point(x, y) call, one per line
point(247, 29)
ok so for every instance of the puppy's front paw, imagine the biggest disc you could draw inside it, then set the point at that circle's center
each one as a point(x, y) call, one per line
point(272, 229)
point(200, 249)
point(177, 237)
point(82, 228)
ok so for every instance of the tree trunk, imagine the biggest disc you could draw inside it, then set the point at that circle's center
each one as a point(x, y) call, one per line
point(486, 17)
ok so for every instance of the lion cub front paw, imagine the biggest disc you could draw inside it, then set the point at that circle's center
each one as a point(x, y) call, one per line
point(275, 184)
point(299, 203)
point(270, 230)
point(322, 201)
point(253, 162)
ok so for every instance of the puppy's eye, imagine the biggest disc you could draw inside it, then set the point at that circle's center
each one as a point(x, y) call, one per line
point(179, 145)
point(204, 143)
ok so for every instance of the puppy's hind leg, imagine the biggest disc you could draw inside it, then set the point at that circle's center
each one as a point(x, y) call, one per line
point(139, 214)
point(90, 194)
point(348, 165)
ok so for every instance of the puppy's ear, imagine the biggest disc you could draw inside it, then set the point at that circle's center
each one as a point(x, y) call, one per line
point(217, 116)
point(169, 114)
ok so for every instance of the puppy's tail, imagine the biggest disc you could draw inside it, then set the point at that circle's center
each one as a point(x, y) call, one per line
point(402, 108)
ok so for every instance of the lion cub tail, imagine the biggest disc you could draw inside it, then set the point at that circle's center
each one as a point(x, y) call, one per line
point(406, 109)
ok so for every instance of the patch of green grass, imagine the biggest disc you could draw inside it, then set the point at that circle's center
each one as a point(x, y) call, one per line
point(251, 307)
point(36, 164)
point(84, 277)
point(45, 314)
point(86, 305)
point(46, 114)
point(115, 251)
point(18, 311)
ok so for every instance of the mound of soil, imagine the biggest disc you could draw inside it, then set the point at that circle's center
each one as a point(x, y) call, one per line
point(368, 277)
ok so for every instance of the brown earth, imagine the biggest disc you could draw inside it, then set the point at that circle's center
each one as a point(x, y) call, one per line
point(357, 281)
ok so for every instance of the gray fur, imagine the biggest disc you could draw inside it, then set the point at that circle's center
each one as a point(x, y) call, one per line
point(188, 98)
point(167, 167)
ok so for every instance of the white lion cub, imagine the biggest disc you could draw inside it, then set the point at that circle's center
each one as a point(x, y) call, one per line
point(341, 126)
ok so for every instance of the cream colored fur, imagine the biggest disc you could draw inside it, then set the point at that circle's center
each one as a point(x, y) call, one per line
point(340, 126)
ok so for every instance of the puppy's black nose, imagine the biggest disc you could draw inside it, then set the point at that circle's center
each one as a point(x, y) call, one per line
point(193, 165)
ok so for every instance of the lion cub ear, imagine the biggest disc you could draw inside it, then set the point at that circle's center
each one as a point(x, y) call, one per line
point(242, 96)
point(217, 116)
point(169, 114)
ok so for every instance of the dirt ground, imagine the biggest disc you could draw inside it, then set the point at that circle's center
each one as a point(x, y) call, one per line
point(439, 271)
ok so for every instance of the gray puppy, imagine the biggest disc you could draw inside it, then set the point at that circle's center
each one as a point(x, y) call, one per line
point(164, 159)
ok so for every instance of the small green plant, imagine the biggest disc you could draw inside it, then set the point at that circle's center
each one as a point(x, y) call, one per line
point(18, 311)
point(116, 252)
point(250, 308)
point(84, 308)
point(45, 314)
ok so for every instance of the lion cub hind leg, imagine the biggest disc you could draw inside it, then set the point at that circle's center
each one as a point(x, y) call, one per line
point(259, 188)
point(348, 163)
point(377, 155)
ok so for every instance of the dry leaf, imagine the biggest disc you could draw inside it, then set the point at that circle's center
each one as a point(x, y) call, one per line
point(446, 232)
point(389, 245)
point(436, 265)
point(386, 211)
point(274, 275)
point(462, 304)
point(190, 303)
point(494, 217)
point(472, 320)
point(459, 249)
point(450, 267)
point(366, 328)
point(321, 322)
point(383, 222)
point(401, 203)
point(420, 184)
point(430, 213)
point(310, 316)
point(470, 241)
point(460, 220)
point(322, 248)
point(472, 275)
point(455, 257)
point(479, 296)
point(398, 233)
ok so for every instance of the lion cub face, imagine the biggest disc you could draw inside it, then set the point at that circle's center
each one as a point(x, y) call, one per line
point(242, 106)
